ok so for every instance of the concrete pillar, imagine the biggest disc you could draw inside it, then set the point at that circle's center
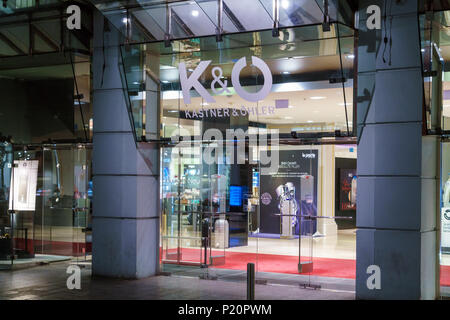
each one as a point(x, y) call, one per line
point(396, 199)
point(126, 189)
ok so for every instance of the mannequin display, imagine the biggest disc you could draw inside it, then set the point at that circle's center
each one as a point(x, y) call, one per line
point(308, 208)
point(288, 207)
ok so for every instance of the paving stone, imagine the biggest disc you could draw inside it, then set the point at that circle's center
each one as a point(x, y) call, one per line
point(48, 282)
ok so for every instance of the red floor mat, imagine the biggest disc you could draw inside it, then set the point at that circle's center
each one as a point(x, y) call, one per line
point(445, 276)
point(323, 267)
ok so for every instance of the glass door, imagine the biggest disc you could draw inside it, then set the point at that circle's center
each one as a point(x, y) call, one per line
point(185, 229)
point(62, 220)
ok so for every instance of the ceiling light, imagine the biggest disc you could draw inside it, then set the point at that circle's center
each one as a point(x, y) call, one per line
point(194, 13)
point(165, 81)
point(285, 72)
point(285, 4)
point(317, 98)
point(310, 121)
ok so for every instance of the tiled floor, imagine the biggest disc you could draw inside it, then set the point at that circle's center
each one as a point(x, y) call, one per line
point(49, 282)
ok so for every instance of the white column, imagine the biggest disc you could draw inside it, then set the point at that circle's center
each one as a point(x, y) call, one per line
point(126, 189)
point(327, 227)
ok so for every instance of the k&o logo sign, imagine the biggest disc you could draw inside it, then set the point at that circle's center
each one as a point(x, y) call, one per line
point(187, 83)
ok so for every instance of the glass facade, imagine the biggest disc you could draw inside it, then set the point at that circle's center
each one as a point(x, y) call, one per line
point(434, 47)
point(223, 205)
point(45, 129)
point(57, 226)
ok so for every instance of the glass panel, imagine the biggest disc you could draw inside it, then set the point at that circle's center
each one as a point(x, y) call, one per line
point(185, 224)
point(6, 232)
point(433, 64)
point(229, 20)
point(52, 205)
point(444, 256)
point(49, 95)
point(312, 88)
point(200, 18)
point(83, 110)
point(65, 218)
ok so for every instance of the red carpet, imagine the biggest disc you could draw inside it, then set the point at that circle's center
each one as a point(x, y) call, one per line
point(323, 267)
point(445, 276)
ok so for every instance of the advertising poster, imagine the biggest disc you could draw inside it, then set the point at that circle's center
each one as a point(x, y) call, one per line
point(297, 169)
point(347, 193)
point(23, 185)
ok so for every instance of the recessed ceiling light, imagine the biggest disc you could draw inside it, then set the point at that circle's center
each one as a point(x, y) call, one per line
point(310, 121)
point(194, 13)
point(285, 72)
point(317, 98)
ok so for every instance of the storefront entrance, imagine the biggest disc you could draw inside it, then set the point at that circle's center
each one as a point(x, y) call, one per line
point(257, 150)
point(217, 218)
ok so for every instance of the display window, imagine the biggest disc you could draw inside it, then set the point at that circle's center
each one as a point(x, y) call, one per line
point(46, 194)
